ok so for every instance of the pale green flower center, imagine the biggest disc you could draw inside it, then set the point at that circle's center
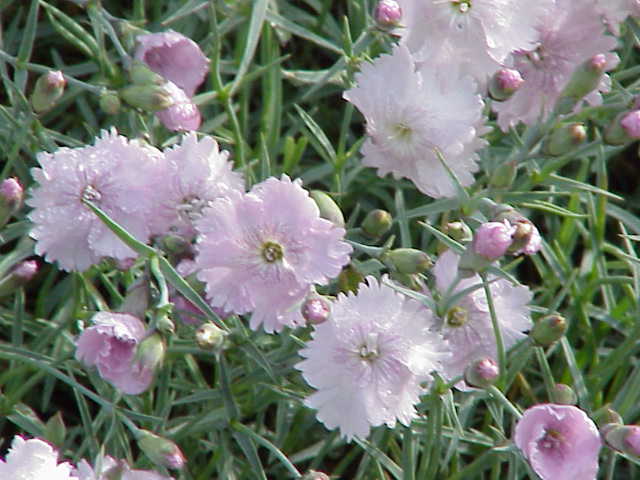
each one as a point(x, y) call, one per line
point(91, 194)
point(272, 252)
point(403, 132)
point(457, 317)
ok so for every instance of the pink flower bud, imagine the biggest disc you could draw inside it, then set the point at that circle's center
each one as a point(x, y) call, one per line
point(492, 239)
point(630, 122)
point(26, 270)
point(11, 193)
point(549, 330)
point(19, 276)
point(388, 13)
point(482, 373)
point(624, 438)
point(161, 450)
point(47, 91)
point(632, 440)
point(55, 79)
point(183, 114)
point(504, 83)
point(316, 310)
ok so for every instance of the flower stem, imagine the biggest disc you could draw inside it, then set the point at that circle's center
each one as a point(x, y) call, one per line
point(502, 357)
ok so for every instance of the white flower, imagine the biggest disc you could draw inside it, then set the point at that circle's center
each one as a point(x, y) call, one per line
point(33, 459)
point(411, 114)
point(367, 361)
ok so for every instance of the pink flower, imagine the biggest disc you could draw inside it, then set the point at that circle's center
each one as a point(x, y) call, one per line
point(368, 360)
point(559, 441)
point(263, 250)
point(183, 114)
point(411, 114)
point(112, 468)
point(108, 174)
point(33, 459)
point(111, 346)
point(492, 239)
point(197, 174)
point(175, 57)
point(466, 324)
point(570, 33)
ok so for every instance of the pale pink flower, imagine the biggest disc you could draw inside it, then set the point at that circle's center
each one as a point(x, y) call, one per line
point(476, 35)
point(263, 250)
point(110, 344)
point(33, 459)
point(116, 174)
point(559, 441)
point(466, 325)
point(197, 173)
point(616, 11)
point(183, 115)
point(112, 468)
point(411, 114)
point(570, 33)
point(368, 360)
point(175, 57)
point(492, 239)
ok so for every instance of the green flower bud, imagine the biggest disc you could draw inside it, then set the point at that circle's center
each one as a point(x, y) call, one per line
point(55, 430)
point(47, 91)
point(585, 79)
point(605, 415)
point(329, 210)
point(110, 102)
point(161, 451)
point(459, 231)
point(548, 330)
point(413, 282)
point(151, 98)
point(151, 352)
point(140, 74)
point(313, 475)
point(564, 138)
point(625, 128)
point(624, 438)
point(349, 279)
point(210, 336)
point(407, 260)
point(504, 175)
point(18, 276)
point(563, 394)
point(482, 373)
point(377, 223)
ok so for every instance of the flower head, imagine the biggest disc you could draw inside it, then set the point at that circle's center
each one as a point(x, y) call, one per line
point(569, 34)
point(466, 324)
point(175, 57)
point(413, 115)
point(263, 250)
point(197, 174)
point(368, 359)
point(559, 441)
point(33, 459)
point(107, 174)
point(110, 344)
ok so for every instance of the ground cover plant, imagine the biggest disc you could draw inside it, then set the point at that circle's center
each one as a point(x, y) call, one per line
point(271, 239)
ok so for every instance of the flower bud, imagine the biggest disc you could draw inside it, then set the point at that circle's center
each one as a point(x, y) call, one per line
point(329, 210)
point(313, 475)
point(624, 438)
point(11, 194)
point(407, 260)
point(482, 373)
point(210, 337)
point(387, 14)
point(414, 282)
point(493, 239)
point(526, 238)
point(110, 102)
point(585, 79)
point(151, 98)
point(55, 430)
point(625, 128)
point(19, 276)
point(605, 416)
point(316, 309)
point(151, 352)
point(140, 74)
point(564, 138)
point(563, 394)
point(161, 451)
point(504, 175)
point(548, 330)
point(47, 90)
point(377, 223)
point(459, 231)
point(504, 83)
point(349, 279)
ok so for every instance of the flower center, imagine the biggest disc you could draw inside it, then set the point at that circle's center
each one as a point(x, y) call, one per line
point(462, 6)
point(457, 317)
point(552, 439)
point(369, 349)
point(192, 206)
point(272, 252)
point(91, 194)
point(403, 132)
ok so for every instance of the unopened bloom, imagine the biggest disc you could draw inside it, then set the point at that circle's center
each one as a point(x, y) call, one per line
point(477, 35)
point(183, 114)
point(262, 251)
point(570, 33)
point(504, 83)
point(631, 124)
point(624, 438)
point(175, 57)
point(33, 459)
point(387, 13)
point(117, 175)
point(492, 239)
point(161, 451)
point(559, 441)
point(110, 344)
point(413, 116)
point(466, 324)
point(48, 90)
point(368, 360)
point(111, 468)
point(197, 173)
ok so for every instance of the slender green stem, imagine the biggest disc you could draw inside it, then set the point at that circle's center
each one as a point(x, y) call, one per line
point(547, 375)
point(504, 401)
point(502, 356)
